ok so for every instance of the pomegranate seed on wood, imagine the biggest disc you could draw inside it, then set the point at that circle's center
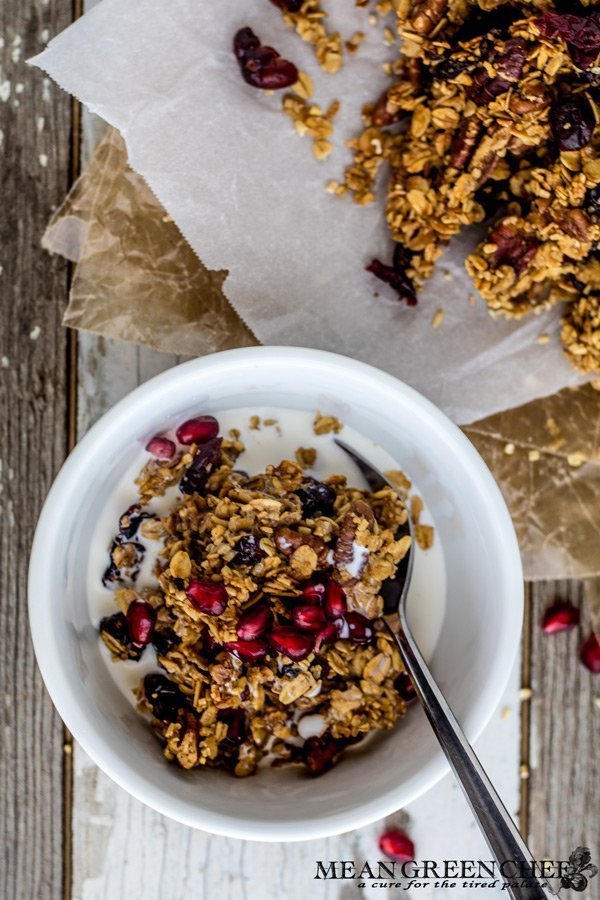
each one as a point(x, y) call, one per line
point(161, 447)
point(292, 642)
point(247, 651)
point(254, 622)
point(141, 618)
point(309, 618)
point(208, 597)
point(590, 653)
point(397, 845)
point(560, 617)
point(198, 430)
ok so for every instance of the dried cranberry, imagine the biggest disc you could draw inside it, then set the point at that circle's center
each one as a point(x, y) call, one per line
point(572, 121)
point(198, 430)
point(141, 618)
point(590, 653)
point(130, 521)
point(129, 555)
point(314, 592)
point(247, 651)
point(509, 65)
point(309, 618)
point(209, 597)
point(161, 447)
point(512, 249)
point(317, 499)
point(206, 459)
point(581, 34)
point(210, 646)
point(262, 67)
point(292, 642)
point(321, 753)
point(448, 67)
point(254, 622)
point(405, 688)
point(164, 641)
point(399, 281)
point(397, 845)
point(237, 728)
point(335, 600)
point(116, 627)
point(560, 617)
point(291, 6)
point(248, 551)
point(361, 630)
point(164, 697)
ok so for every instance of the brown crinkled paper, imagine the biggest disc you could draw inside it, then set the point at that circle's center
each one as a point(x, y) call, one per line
point(137, 279)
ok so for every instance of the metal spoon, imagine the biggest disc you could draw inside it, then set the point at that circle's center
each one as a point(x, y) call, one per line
point(498, 828)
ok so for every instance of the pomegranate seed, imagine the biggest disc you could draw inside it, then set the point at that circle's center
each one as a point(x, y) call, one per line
point(198, 430)
point(236, 724)
point(397, 845)
point(335, 600)
point(161, 447)
point(247, 651)
point(314, 592)
point(292, 642)
point(560, 617)
point(207, 596)
point(590, 653)
point(327, 635)
point(405, 688)
point(310, 618)
point(140, 621)
point(254, 622)
point(210, 645)
point(361, 630)
point(321, 753)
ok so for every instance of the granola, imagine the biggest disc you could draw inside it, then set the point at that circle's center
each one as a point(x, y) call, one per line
point(266, 614)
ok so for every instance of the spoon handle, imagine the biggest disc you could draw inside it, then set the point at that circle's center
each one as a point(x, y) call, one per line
point(499, 830)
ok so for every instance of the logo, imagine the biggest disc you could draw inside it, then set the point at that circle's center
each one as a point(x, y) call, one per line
point(580, 861)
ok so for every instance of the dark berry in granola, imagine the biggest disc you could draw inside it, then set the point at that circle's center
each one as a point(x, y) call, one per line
point(572, 121)
point(125, 560)
point(237, 727)
point(161, 447)
point(581, 34)
point(198, 430)
point(206, 459)
point(509, 66)
point(262, 67)
point(141, 618)
point(248, 651)
point(512, 249)
point(115, 628)
point(591, 203)
point(292, 642)
point(254, 622)
point(248, 551)
point(164, 641)
point(209, 597)
point(399, 281)
point(291, 6)
point(317, 499)
point(321, 753)
point(360, 628)
point(405, 688)
point(130, 521)
point(164, 697)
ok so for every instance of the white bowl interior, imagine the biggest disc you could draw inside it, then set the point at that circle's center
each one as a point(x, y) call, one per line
point(473, 657)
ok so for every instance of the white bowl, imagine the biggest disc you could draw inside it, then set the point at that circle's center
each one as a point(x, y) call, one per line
point(473, 657)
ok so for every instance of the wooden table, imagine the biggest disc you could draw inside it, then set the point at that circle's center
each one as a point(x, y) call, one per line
point(67, 830)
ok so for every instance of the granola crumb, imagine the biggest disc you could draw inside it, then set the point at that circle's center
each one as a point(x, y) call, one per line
point(533, 455)
point(326, 424)
point(424, 536)
point(306, 457)
point(255, 423)
point(400, 481)
point(416, 508)
point(577, 459)
point(524, 771)
point(509, 449)
point(438, 318)
point(525, 693)
point(543, 338)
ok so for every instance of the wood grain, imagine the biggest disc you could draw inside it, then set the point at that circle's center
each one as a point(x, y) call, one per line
point(35, 122)
point(565, 765)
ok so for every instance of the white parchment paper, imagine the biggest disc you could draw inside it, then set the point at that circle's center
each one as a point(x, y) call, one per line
point(249, 196)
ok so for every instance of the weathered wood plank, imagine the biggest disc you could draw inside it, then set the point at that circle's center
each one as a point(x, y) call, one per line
point(35, 121)
point(566, 729)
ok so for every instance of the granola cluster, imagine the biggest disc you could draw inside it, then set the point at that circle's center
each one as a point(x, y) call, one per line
point(266, 614)
point(493, 112)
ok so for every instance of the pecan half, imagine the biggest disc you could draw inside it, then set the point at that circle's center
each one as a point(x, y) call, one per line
point(288, 542)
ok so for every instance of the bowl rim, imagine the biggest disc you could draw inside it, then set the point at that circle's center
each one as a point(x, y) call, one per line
point(91, 739)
